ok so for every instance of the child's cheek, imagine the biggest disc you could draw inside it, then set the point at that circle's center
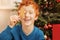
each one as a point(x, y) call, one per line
point(22, 13)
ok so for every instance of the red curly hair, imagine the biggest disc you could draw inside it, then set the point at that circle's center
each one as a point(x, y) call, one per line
point(27, 3)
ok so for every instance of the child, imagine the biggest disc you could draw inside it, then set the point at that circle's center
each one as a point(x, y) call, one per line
point(28, 12)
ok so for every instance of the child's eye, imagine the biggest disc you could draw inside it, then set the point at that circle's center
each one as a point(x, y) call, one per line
point(30, 12)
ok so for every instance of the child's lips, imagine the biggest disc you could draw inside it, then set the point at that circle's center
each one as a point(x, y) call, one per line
point(27, 19)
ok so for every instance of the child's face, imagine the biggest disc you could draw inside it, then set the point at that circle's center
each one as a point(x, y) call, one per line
point(27, 15)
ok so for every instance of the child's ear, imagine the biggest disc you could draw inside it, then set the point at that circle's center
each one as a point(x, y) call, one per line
point(36, 17)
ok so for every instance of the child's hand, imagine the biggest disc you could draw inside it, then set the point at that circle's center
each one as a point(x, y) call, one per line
point(13, 20)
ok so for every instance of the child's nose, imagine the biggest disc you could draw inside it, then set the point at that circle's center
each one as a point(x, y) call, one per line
point(27, 14)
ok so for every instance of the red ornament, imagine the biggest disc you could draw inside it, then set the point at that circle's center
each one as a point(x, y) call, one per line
point(45, 26)
point(58, 0)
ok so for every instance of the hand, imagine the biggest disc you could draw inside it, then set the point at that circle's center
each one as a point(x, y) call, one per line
point(13, 20)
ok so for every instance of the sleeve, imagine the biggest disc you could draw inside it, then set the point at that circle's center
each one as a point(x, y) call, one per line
point(41, 35)
point(15, 32)
point(6, 34)
point(0, 38)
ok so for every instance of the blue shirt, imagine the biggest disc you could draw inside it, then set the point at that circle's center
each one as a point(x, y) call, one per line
point(6, 34)
point(17, 34)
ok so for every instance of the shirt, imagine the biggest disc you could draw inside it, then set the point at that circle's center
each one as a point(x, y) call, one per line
point(16, 33)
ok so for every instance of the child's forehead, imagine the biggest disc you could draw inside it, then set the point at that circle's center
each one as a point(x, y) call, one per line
point(29, 7)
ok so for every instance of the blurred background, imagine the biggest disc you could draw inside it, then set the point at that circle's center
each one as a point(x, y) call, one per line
point(6, 10)
point(49, 14)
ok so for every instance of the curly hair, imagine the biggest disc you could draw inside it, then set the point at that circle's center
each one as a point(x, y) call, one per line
point(29, 2)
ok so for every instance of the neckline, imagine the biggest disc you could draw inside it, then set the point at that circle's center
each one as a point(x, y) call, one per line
point(27, 36)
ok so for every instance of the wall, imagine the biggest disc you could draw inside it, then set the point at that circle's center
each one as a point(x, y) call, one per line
point(6, 7)
point(4, 17)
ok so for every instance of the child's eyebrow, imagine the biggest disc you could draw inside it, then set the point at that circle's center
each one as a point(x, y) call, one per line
point(30, 11)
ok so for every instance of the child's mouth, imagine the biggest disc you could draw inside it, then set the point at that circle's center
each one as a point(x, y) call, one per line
point(27, 19)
